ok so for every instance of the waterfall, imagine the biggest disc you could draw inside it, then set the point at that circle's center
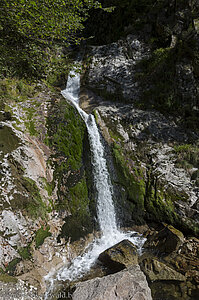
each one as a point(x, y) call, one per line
point(110, 233)
point(105, 208)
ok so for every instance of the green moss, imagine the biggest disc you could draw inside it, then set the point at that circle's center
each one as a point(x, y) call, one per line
point(30, 125)
point(115, 135)
point(7, 279)
point(12, 89)
point(35, 207)
point(10, 269)
point(133, 181)
point(48, 186)
point(79, 199)
point(68, 136)
point(9, 141)
point(66, 133)
point(187, 156)
point(159, 203)
point(78, 224)
point(95, 115)
point(25, 252)
point(40, 236)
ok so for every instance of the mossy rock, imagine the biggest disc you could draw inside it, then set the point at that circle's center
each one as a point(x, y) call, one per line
point(8, 141)
point(7, 279)
point(34, 205)
point(40, 236)
point(156, 271)
point(25, 252)
point(133, 181)
point(10, 269)
point(68, 137)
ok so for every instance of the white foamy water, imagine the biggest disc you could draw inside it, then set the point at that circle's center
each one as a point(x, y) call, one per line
point(110, 233)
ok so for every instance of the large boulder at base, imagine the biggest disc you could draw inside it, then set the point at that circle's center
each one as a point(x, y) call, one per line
point(119, 256)
point(166, 241)
point(127, 284)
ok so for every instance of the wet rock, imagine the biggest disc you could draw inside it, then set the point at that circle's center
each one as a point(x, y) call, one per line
point(167, 240)
point(119, 256)
point(126, 284)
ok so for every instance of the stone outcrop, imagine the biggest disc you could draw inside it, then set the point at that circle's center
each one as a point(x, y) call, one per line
point(119, 256)
point(127, 284)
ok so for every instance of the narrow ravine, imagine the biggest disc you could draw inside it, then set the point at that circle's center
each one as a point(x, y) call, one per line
point(110, 232)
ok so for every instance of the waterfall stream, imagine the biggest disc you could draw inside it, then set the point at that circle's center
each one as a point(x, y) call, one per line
point(110, 233)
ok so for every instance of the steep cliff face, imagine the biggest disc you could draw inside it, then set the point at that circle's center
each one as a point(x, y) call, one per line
point(146, 86)
point(44, 188)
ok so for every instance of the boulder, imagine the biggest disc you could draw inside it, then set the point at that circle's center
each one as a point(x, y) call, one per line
point(156, 270)
point(127, 284)
point(119, 256)
point(166, 241)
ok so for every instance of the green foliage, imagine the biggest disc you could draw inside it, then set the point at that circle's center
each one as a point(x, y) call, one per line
point(187, 156)
point(12, 89)
point(40, 236)
point(30, 29)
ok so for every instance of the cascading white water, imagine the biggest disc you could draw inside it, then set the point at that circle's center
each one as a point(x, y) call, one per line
point(105, 208)
point(110, 233)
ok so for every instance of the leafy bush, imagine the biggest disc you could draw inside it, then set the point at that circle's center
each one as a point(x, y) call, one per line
point(29, 30)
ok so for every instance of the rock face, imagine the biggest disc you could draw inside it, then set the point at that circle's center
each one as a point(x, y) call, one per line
point(119, 256)
point(37, 181)
point(126, 284)
point(112, 72)
point(150, 161)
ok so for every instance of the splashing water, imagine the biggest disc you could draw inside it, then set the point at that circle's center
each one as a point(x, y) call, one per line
point(110, 233)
